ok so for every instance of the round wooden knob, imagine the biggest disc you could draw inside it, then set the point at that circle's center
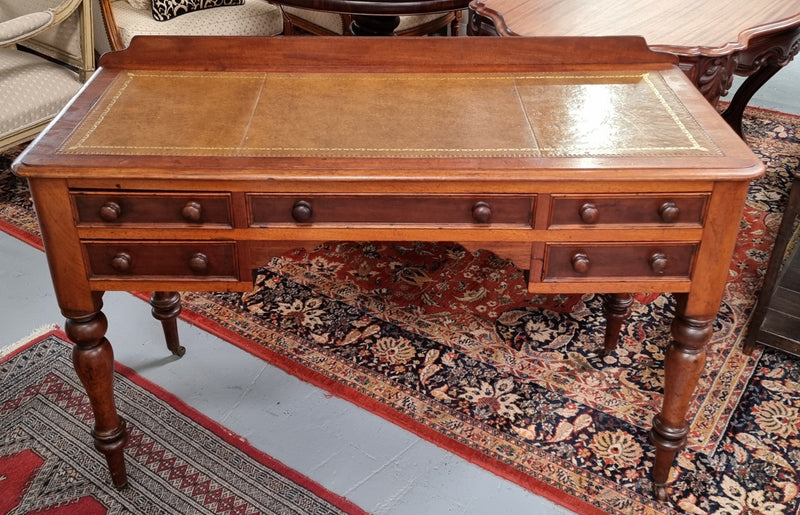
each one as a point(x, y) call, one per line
point(198, 263)
point(481, 212)
point(110, 211)
point(302, 212)
point(192, 211)
point(658, 263)
point(589, 213)
point(669, 212)
point(122, 262)
point(581, 263)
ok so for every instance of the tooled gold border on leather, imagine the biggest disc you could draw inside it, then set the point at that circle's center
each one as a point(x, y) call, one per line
point(662, 95)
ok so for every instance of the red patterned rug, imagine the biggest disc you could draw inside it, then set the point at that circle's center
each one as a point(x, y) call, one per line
point(178, 460)
point(450, 345)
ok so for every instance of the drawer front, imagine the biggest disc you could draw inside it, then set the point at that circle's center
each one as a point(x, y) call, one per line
point(137, 259)
point(601, 261)
point(685, 209)
point(390, 209)
point(111, 208)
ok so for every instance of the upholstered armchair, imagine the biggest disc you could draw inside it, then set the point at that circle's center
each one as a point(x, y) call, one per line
point(321, 23)
point(46, 53)
point(124, 19)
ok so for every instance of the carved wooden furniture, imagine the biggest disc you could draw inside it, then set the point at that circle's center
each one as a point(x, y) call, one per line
point(776, 318)
point(35, 87)
point(713, 39)
point(379, 17)
point(322, 23)
point(594, 164)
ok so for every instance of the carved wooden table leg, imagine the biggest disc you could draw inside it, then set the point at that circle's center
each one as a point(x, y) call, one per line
point(683, 365)
point(617, 308)
point(93, 360)
point(735, 111)
point(763, 58)
point(166, 307)
point(713, 76)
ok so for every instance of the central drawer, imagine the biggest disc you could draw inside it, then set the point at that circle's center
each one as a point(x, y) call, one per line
point(265, 210)
point(143, 259)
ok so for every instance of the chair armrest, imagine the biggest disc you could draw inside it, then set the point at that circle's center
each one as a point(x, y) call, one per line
point(23, 27)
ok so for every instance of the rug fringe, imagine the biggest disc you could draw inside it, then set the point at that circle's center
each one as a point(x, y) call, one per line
point(39, 331)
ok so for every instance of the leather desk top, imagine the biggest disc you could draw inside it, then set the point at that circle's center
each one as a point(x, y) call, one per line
point(365, 115)
point(505, 116)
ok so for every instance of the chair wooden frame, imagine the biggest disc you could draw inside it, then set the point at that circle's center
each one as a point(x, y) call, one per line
point(110, 24)
point(83, 64)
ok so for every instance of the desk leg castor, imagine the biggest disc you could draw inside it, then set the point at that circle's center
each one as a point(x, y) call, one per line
point(166, 307)
point(93, 360)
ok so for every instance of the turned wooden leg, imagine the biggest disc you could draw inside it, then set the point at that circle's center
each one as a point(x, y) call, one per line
point(166, 307)
point(617, 308)
point(683, 365)
point(93, 360)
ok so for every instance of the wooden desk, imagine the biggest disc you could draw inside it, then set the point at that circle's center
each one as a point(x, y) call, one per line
point(713, 39)
point(170, 173)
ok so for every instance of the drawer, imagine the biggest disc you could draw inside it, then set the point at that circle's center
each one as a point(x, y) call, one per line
point(154, 208)
point(683, 209)
point(390, 209)
point(599, 261)
point(139, 259)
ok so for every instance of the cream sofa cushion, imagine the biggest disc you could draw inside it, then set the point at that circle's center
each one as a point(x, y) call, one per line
point(254, 18)
point(32, 90)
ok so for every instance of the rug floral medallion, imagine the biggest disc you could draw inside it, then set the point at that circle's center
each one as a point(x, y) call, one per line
point(449, 344)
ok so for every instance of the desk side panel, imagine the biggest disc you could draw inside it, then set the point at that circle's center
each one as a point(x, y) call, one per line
point(64, 255)
point(716, 248)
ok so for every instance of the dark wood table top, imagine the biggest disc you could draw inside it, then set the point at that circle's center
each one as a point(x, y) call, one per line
point(710, 27)
point(713, 39)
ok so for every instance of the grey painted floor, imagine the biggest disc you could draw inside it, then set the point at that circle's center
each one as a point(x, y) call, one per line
point(380, 467)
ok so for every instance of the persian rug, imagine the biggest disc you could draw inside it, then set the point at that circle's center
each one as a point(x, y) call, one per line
point(178, 460)
point(449, 344)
